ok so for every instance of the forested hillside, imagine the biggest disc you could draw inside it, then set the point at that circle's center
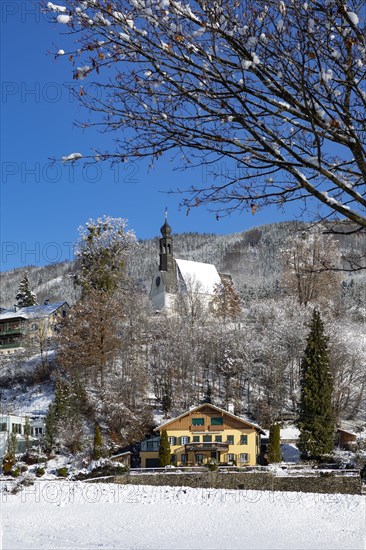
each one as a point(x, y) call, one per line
point(249, 358)
point(256, 259)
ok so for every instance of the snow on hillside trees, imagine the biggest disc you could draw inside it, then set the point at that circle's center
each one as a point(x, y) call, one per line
point(266, 96)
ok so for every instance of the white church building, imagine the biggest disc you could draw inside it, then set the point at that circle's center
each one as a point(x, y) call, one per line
point(179, 277)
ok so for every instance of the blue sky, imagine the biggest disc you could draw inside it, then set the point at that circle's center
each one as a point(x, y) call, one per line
point(42, 204)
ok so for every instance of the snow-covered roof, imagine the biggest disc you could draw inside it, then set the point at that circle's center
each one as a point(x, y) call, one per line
point(215, 408)
point(32, 312)
point(198, 276)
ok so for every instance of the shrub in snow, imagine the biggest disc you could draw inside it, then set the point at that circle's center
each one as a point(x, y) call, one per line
point(212, 465)
point(40, 471)
point(103, 468)
point(15, 471)
point(62, 472)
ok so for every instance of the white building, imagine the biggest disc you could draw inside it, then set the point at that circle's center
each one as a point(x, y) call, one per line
point(180, 277)
point(18, 425)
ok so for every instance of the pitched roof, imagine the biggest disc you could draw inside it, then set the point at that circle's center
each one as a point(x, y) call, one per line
point(198, 276)
point(32, 312)
point(217, 409)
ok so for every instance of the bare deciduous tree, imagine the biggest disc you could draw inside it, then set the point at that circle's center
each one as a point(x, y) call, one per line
point(305, 275)
point(275, 89)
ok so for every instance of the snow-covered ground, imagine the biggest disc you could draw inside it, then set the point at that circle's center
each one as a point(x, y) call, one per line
point(76, 515)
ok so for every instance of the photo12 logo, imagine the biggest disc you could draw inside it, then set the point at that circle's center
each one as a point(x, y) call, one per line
point(68, 172)
point(36, 253)
point(24, 11)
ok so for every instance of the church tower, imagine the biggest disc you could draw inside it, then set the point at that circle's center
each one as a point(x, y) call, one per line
point(164, 281)
point(166, 247)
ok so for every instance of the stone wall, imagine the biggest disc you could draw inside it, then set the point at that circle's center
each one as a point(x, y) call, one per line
point(321, 482)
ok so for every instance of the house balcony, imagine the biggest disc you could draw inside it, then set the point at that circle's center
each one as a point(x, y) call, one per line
point(217, 428)
point(200, 447)
point(197, 428)
point(10, 332)
point(13, 345)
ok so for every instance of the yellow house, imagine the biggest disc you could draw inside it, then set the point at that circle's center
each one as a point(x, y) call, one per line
point(204, 433)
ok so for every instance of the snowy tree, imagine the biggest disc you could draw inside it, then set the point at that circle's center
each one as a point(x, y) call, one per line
point(316, 416)
point(97, 444)
point(310, 267)
point(88, 342)
point(226, 300)
point(273, 91)
point(25, 297)
point(101, 254)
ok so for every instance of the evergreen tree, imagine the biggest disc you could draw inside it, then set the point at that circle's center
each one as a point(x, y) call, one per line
point(97, 448)
point(164, 449)
point(274, 448)
point(25, 297)
point(50, 427)
point(316, 418)
point(27, 432)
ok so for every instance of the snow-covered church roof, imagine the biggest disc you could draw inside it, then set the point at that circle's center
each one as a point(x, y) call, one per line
point(197, 276)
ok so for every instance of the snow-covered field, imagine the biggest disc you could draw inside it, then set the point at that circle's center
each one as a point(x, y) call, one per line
point(73, 515)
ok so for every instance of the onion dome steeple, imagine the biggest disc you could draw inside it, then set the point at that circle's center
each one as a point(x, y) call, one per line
point(166, 247)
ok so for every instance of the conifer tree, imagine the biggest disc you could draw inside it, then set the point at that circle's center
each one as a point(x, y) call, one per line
point(164, 449)
point(316, 418)
point(97, 449)
point(25, 297)
point(274, 448)
point(50, 427)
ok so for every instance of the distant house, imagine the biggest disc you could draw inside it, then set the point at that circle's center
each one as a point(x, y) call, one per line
point(346, 438)
point(123, 458)
point(18, 425)
point(204, 433)
point(180, 277)
point(33, 322)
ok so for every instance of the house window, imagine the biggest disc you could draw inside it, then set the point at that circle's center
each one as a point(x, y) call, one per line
point(185, 440)
point(199, 458)
point(3, 427)
point(172, 440)
point(244, 458)
point(207, 439)
point(230, 440)
point(217, 421)
point(184, 459)
point(198, 421)
point(230, 457)
point(218, 438)
point(243, 439)
point(196, 439)
point(16, 428)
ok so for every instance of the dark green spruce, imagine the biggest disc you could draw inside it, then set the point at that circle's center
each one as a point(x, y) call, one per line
point(316, 418)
